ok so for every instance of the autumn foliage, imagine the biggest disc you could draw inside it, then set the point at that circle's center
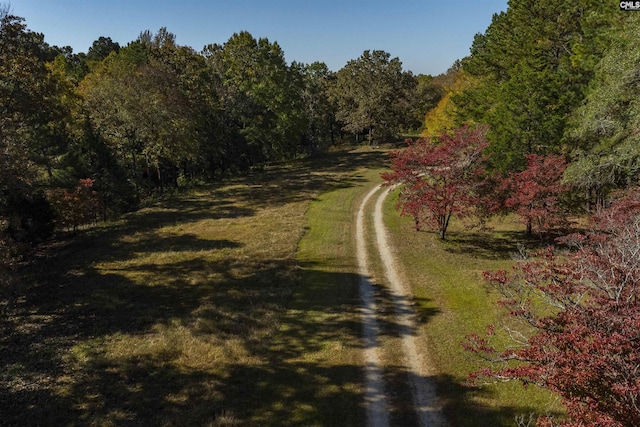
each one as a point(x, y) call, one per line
point(440, 180)
point(533, 193)
point(75, 207)
point(574, 322)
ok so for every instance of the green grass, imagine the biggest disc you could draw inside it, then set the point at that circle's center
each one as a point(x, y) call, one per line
point(238, 304)
point(454, 301)
point(320, 334)
point(196, 310)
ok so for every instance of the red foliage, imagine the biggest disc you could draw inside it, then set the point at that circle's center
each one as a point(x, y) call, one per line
point(440, 180)
point(534, 192)
point(577, 317)
point(75, 207)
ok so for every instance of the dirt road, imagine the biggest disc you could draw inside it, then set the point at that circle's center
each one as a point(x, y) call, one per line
point(415, 353)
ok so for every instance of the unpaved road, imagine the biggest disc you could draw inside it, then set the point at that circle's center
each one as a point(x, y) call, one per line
point(415, 353)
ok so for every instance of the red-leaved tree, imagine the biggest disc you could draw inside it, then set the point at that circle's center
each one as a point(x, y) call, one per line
point(75, 207)
point(534, 192)
point(440, 180)
point(575, 322)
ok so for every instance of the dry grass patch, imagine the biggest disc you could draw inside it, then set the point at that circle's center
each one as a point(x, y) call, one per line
point(192, 311)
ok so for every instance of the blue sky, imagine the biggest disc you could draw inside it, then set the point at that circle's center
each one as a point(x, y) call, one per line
point(427, 35)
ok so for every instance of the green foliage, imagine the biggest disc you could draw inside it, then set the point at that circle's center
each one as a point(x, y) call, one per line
point(372, 93)
point(428, 92)
point(604, 129)
point(319, 109)
point(443, 117)
point(32, 120)
point(136, 103)
point(101, 48)
point(261, 96)
point(534, 63)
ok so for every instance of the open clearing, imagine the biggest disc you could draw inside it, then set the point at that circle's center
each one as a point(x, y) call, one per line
point(240, 305)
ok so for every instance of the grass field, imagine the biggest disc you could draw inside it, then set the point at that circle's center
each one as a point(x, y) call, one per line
point(196, 310)
point(446, 278)
point(238, 305)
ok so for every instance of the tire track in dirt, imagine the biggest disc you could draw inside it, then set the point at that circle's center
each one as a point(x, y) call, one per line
point(421, 383)
point(375, 398)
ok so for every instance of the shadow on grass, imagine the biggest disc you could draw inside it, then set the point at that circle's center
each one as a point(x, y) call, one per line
point(58, 322)
point(58, 319)
point(460, 411)
point(491, 246)
point(296, 181)
point(281, 387)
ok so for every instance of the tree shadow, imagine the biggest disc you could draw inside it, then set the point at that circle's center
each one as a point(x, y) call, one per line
point(62, 320)
point(490, 246)
point(461, 407)
point(182, 209)
point(281, 183)
point(47, 326)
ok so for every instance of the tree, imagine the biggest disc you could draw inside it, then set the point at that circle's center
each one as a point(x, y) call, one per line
point(136, 103)
point(75, 207)
point(319, 109)
point(372, 94)
point(533, 65)
point(261, 97)
point(604, 130)
point(31, 133)
point(534, 193)
point(101, 48)
point(441, 180)
point(443, 117)
point(575, 321)
point(426, 95)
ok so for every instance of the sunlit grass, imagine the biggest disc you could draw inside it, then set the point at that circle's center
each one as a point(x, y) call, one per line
point(195, 310)
point(446, 278)
point(236, 305)
point(320, 333)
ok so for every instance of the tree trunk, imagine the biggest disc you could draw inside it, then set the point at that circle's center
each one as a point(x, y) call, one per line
point(159, 177)
point(444, 225)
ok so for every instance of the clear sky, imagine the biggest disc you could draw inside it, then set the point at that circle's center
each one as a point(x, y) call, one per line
point(427, 35)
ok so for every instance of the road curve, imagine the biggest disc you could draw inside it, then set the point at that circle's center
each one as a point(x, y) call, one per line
point(421, 383)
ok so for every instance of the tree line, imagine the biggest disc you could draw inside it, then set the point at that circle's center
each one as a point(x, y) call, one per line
point(551, 78)
point(87, 136)
point(541, 121)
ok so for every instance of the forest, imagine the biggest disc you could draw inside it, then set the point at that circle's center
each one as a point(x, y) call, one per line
point(539, 121)
point(88, 136)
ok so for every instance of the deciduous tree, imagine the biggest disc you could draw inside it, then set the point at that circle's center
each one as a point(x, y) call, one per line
point(534, 193)
point(75, 207)
point(441, 180)
point(135, 102)
point(261, 97)
point(372, 94)
point(30, 131)
point(319, 109)
point(574, 322)
point(443, 117)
